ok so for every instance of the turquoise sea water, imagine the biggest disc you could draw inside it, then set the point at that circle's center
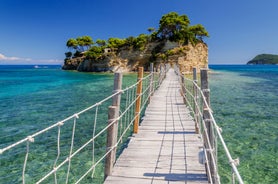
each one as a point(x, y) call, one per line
point(244, 99)
point(245, 104)
point(32, 99)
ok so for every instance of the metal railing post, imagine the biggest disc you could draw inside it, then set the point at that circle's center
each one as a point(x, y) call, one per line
point(138, 100)
point(112, 131)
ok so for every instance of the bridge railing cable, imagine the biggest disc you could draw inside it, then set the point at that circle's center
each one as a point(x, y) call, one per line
point(197, 99)
point(74, 149)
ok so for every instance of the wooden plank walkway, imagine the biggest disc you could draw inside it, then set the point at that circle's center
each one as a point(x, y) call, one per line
point(166, 148)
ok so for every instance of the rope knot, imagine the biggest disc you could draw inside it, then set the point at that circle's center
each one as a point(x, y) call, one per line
point(76, 116)
point(118, 91)
point(30, 139)
point(220, 129)
point(235, 161)
point(205, 90)
point(207, 120)
point(210, 150)
point(61, 123)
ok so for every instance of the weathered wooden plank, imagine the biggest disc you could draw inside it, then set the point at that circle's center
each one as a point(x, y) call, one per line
point(166, 148)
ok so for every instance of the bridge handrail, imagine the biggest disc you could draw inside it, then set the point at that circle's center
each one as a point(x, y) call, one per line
point(124, 114)
point(209, 152)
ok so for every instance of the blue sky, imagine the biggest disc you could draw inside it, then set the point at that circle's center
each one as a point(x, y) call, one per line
point(36, 31)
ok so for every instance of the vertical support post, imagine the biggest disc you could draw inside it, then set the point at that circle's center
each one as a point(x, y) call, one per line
point(118, 77)
point(165, 70)
point(183, 88)
point(138, 100)
point(151, 83)
point(195, 93)
point(208, 123)
point(109, 162)
point(112, 131)
point(160, 75)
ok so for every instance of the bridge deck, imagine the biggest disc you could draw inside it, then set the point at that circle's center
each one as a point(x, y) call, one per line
point(166, 148)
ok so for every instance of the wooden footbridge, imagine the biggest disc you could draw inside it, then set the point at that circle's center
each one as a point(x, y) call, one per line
point(159, 130)
point(166, 147)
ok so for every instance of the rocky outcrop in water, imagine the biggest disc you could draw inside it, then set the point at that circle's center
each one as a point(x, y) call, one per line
point(128, 59)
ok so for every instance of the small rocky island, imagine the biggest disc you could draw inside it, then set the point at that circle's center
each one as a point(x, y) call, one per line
point(264, 59)
point(175, 41)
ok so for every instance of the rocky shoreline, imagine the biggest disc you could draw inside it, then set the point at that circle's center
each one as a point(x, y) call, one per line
point(128, 60)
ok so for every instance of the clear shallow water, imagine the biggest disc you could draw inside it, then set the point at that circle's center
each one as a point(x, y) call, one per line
point(244, 100)
point(32, 99)
point(245, 103)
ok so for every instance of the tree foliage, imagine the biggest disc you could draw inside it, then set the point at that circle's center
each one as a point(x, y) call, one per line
point(72, 43)
point(68, 55)
point(94, 52)
point(141, 41)
point(198, 31)
point(172, 27)
point(115, 42)
point(151, 29)
point(177, 28)
point(101, 43)
point(171, 24)
point(80, 44)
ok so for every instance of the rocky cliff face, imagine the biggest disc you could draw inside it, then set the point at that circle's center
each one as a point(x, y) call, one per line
point(195, 56)
point(127, 59)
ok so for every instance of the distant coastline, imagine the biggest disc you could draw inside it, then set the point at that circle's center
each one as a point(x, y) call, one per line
point(39, 66)
point(264, 59)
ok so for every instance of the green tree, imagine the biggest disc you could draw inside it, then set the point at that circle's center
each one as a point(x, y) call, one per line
point(72, 43)
point(151, 29)
point(141, 41)
point(171, 25)
point(80, 44)
point(68, 55)
point(115, 42)
point(88, 41)
point(94, 52)
point(101, 43)
point(198, 31)
point(177, 28)
point(130, 41)
point(84, 43)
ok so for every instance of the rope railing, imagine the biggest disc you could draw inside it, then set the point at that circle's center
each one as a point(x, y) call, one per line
point(76, 145)
point(197, 99)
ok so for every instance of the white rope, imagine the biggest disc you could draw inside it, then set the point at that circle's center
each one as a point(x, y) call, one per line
point(58, 152)
point(126, 104)
point(130, 103)
point(94, 132)
point(217, 129)
point(133, 99)
point(71, 147)
point(58, 123)
point(120, 123)
point(66, 119)
point(211, 150)
point(30, 139)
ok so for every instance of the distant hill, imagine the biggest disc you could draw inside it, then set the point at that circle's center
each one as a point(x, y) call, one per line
point(264, 59)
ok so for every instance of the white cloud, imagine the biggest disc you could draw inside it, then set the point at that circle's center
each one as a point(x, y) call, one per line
point(5, 58)
point(18, 60)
